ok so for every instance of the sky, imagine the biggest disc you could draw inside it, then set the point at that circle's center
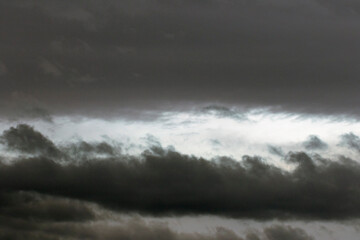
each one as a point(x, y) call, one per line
point(179, 119)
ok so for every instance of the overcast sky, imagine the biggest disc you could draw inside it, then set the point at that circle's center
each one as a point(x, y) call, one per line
point(102, 56)
point(179, 119)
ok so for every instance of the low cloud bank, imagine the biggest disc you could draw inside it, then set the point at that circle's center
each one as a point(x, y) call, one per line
point(163, 181)
point(27, 215)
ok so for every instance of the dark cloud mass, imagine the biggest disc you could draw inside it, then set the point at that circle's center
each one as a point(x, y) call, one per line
point(25, 139)
point(163, 181)
point(25, 215)
point(35, 207)
point(100, 56)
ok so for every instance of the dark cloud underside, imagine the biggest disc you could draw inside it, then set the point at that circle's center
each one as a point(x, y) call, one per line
point(30, 206)
point(100, 55)
point(33, 216)
point(163, 181)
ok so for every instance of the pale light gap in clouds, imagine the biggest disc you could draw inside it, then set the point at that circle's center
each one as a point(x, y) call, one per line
point(211, 135)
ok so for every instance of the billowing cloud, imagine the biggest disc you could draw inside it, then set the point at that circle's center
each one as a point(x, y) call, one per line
point(163, 181)
point(25, 139)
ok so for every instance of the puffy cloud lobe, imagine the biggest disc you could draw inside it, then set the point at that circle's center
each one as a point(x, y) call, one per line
point(25, 139)
point(314, 143)
point(351, 141)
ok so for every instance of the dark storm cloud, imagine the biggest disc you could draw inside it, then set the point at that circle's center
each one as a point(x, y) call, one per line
point(314, 143)
point(26, 139)
point(351, 141)
point(57, 218)
point(163, 181)
point(95, 56)
point(35, 207)
point(28, 215)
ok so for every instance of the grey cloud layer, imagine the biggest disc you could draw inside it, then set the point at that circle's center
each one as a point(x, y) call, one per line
point(25, 215)
point(93, 55)
point(30, 206)
point(163, 181)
